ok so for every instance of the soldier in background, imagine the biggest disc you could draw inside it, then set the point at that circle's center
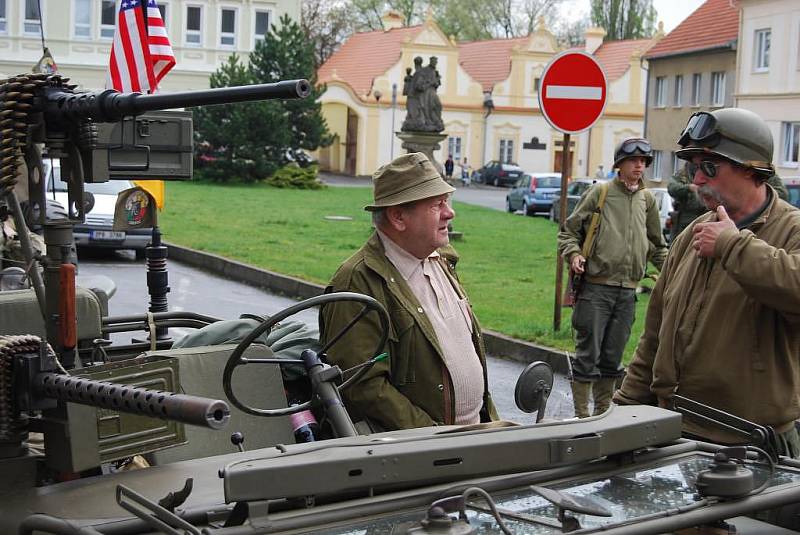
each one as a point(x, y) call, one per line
point(687, 206)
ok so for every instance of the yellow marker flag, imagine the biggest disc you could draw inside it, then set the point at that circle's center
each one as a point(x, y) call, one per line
point(154, 188)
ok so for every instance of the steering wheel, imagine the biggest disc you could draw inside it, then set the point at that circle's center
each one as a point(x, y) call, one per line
point(236, 359)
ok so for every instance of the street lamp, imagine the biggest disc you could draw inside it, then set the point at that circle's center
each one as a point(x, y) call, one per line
point(394, 106)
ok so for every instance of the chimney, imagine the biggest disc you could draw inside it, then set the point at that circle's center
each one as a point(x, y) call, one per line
point(391, 20)
point(594, 38)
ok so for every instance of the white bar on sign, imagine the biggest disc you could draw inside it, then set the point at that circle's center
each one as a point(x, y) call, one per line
point(574, 92)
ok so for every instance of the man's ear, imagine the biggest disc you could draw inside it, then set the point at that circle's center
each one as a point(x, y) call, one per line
point(395, 217)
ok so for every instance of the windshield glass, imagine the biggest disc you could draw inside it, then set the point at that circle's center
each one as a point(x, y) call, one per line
point(548, 182)
point(112, 187)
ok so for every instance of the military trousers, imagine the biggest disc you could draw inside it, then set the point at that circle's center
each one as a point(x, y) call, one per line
point(602, 319)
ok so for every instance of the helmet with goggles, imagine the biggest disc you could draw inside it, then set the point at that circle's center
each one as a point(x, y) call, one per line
point(735, 134)
point(633, 146)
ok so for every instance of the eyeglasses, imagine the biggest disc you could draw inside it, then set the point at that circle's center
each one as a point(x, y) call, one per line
point(702, 126)
point(708, 167)
point(631, 146)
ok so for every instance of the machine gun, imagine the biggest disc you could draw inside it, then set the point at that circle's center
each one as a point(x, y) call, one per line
point(38, 108)
point(76, 401)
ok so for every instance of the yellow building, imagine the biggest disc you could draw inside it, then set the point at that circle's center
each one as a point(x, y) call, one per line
point(488, 93)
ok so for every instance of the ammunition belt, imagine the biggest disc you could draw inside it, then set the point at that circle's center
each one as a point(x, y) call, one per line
point(13, 428)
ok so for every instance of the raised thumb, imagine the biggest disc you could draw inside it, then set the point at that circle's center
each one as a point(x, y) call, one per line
point(722, 214)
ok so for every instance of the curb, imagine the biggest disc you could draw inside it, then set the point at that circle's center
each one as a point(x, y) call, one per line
point(497, 344)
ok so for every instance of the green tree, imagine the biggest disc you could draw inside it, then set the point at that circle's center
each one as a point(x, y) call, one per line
point(286, 54)
point(248, 141)
point(624, 19)
point(327, 24)
point(239, 141)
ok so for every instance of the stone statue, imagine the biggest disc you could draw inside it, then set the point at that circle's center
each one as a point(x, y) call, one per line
point(424, 109)
point(414, 120)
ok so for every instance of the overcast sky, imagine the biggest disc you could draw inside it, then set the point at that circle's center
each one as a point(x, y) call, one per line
point(672, 12)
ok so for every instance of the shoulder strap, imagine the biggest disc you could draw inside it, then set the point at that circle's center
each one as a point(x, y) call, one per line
point(587, 244)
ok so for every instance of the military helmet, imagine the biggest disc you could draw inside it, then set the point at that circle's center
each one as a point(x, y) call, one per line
point(735, 134)
point(633, 146)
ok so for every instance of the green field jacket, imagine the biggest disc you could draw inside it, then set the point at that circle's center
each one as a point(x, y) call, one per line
point(413, 387)
point(725, 331)
point(628, 236)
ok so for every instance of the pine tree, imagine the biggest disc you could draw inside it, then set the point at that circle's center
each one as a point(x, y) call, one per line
point(247, 142)
point(286, 54)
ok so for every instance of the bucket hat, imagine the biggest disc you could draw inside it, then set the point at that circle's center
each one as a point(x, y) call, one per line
point(407, 178)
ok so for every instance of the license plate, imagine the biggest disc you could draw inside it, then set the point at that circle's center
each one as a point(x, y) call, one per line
point(548, 195)
point(106, 235)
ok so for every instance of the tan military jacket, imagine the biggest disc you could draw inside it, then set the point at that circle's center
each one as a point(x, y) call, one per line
point(413, 387)
point(726, 331)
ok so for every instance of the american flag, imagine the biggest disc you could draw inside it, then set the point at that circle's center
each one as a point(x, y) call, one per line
point(141, 54)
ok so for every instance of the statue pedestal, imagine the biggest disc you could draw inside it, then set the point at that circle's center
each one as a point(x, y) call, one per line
point(425, 142)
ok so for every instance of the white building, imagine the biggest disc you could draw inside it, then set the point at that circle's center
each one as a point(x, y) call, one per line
point(79, 33)
point(768, 74)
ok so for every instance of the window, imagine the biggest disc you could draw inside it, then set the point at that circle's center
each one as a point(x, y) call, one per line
point(661, 91)
point(506, 150)
point(108, 15)
point(536, 82)
point(33, 20)
point(717, 88)
point(454, 147)
point(677, 164)
point(791, 143)
point(83, 19)
point(262, 25)
point(678, 97)
point(194, 16)
point(697, 79)
point(162, 8)
point(2, 16)
point(227, 29)
point(657, 157)
point(763, 40)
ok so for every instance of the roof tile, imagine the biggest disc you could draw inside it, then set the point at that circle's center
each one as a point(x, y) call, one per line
point(713, 24)
point(364, 56)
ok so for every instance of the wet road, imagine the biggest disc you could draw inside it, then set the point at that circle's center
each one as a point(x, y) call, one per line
point(201, 292)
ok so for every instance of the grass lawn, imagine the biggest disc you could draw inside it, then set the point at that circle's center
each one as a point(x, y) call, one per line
point(507, 262)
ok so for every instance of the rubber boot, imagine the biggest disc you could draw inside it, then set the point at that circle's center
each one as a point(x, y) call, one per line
point(581, 392)
point(602, 391)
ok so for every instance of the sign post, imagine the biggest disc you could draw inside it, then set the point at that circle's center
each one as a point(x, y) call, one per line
point(572, 97)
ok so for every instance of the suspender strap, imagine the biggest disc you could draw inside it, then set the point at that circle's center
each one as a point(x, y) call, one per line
point(587, 244)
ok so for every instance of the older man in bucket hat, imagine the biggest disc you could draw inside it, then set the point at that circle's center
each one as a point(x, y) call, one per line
point(436, 371)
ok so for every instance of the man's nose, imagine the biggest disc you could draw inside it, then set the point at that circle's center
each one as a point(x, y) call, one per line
point(448, 212)
point(699, 177)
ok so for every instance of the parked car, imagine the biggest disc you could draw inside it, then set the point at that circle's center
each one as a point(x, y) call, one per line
point(665, 208)
point(97, 230)
point(498, 174)
point(576, 188)
point(534, 193)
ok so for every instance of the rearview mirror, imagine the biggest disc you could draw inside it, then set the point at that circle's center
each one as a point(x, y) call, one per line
point(533, 387)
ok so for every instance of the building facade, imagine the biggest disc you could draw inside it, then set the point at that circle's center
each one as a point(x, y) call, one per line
point(488, 93)
point(693, 68)
point(79, 34)
point(768, 74)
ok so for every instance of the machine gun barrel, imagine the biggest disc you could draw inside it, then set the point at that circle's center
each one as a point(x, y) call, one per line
point(111, 105)
point(195, 410)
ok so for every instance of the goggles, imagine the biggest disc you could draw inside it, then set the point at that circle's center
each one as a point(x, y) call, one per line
point(708, 167)
point(631, 146)
point(702, 126)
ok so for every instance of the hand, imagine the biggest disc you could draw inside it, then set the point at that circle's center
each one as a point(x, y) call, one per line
point(693, 188)
point(706, 234)
point(577, 264)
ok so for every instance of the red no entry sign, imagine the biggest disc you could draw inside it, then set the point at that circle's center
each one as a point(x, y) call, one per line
point(572, 92)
